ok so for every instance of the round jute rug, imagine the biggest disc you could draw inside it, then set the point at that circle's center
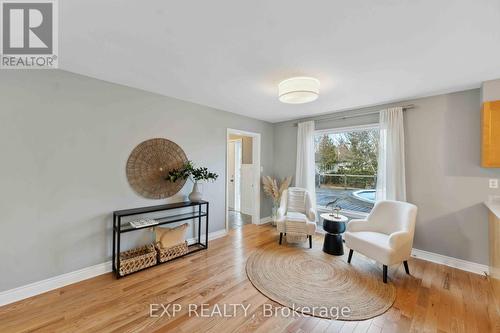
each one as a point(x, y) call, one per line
point(312, 282)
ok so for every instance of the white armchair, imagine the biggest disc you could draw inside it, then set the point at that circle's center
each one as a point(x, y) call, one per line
point(296, 217)
point(386, 235)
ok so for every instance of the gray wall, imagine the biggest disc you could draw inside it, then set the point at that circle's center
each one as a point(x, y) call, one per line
point(64, 142)
point(65, 138)
point(490, 91)
point(444, 177)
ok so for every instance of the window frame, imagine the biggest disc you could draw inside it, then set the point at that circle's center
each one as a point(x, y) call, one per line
point(338, 130)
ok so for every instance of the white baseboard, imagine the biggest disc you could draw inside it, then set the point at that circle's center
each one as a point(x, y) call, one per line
point(40, 287)
point(450, 261)
point(267, 219)
point(36, 288)
point(216, 234)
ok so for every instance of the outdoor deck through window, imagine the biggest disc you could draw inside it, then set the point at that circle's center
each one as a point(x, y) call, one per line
point(346, 167)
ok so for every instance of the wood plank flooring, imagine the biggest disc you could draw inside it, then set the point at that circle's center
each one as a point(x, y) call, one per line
point(434, 299)
point(237, 220)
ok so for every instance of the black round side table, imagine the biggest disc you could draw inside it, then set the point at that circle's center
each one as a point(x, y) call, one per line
point(334, 228)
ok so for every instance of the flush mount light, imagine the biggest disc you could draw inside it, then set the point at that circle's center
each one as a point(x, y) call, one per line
point(298, 90)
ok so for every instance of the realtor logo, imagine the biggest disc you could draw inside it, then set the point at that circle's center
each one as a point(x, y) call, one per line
point(29, 34)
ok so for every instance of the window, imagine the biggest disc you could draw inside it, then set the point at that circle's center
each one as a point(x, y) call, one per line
point(346, 167)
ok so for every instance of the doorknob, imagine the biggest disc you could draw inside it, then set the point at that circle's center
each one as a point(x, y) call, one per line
point(231, 180)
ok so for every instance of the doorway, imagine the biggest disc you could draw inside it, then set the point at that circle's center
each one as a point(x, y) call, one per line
point(242, 179)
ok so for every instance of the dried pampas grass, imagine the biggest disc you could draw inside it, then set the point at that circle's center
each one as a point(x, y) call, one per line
point(273, 188)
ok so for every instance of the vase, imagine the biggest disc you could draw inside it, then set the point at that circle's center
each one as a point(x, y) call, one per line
point(274, 213)
point(195, 194)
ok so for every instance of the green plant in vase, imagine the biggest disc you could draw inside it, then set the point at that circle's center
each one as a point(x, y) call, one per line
point(195, 175)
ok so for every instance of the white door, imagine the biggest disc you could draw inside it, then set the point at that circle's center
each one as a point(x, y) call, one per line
point(230, 174)
point(234, 174)
point(247, 189)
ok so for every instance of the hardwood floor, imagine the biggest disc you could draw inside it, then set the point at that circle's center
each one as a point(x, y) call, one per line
point(435, 299)
point(238, 219)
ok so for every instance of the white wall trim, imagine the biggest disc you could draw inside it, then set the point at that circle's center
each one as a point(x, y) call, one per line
point(211, 236)
point(40, 287)
point(267, 219)
point(450, 261)
point(216, 234)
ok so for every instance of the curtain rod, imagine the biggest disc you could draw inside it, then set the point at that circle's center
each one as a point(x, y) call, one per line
point(339, 117)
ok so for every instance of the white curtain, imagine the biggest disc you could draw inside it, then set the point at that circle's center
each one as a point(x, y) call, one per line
point(391, 184)
point(305, 172)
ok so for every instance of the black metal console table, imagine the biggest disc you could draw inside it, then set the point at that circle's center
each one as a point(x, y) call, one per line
point(198, 213)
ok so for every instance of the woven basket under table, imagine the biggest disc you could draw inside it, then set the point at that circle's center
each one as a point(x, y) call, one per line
point(137, 259)
point(169, 253)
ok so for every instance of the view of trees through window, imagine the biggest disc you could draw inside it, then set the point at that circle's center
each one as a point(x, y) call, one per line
point(346, 168)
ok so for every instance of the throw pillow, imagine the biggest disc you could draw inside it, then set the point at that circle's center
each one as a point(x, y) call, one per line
point(169, 237)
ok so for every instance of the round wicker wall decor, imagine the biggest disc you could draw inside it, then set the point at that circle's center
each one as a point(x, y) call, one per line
point(149, 164)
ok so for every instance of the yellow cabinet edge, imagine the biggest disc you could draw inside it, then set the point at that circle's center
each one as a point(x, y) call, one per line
point(490, 127)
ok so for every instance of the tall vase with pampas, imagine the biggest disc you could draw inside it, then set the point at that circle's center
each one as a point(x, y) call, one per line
point(274, 189)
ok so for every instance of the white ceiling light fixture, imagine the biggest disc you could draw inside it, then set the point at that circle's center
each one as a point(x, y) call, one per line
point(298, 90)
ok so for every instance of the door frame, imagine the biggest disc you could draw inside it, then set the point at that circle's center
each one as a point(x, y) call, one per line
point(256, 161)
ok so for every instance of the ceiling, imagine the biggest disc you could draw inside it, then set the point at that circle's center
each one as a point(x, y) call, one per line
point(231, 54)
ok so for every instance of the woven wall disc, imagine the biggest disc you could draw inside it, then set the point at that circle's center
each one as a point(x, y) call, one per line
point(149, 164)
